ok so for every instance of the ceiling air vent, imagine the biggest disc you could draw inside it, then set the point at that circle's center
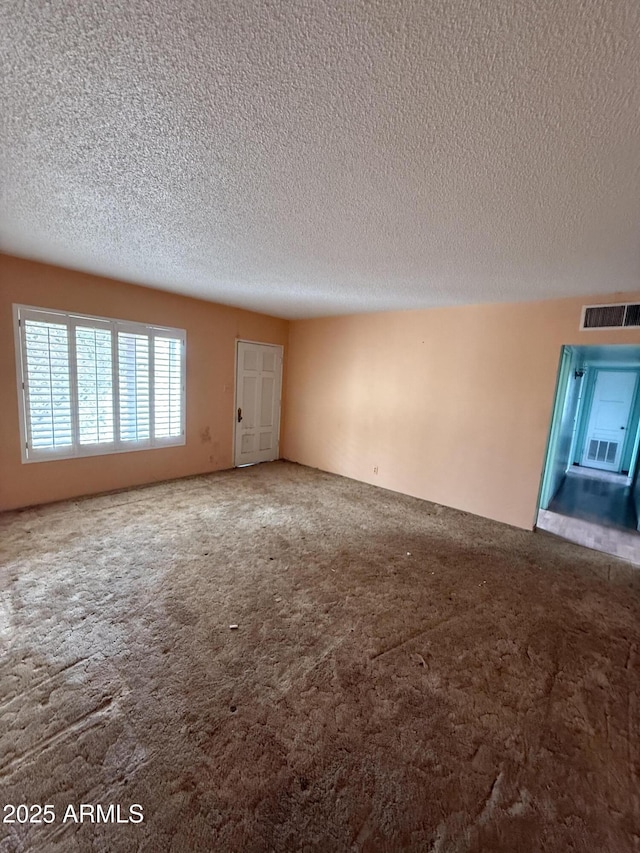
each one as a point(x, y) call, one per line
point(632, 317)
point(620, 316)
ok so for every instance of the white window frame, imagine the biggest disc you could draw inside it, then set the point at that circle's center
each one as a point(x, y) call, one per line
point(71, 320)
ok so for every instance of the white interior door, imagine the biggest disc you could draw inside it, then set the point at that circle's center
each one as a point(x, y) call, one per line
point(609, 419)
point(258, 387)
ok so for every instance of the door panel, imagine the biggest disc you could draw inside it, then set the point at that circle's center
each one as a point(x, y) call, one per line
point(266, 402)
point(249, 384)
point(249, 359)
point(609, 419)
point(258, 384)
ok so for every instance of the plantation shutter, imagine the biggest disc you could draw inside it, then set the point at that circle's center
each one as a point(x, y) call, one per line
point(94, 371)
point(133, 371)
point(47, 386)
point(92, 385)
point(167, 386)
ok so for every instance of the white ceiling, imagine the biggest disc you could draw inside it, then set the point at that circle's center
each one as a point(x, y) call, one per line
point(317, 157)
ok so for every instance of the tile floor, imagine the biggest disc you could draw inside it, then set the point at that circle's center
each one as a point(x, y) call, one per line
point(592, 498)
point(595, 509)
point(624, 544)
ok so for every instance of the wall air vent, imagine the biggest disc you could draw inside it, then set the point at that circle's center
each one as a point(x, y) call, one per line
point(619, 316)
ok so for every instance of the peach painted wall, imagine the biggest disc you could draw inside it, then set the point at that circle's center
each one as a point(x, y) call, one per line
point(450, 404)
point(211, 333)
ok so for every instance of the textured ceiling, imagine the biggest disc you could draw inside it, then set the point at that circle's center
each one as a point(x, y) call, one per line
point(317, 157)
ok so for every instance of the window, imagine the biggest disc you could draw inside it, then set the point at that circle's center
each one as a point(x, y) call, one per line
point(90, 385)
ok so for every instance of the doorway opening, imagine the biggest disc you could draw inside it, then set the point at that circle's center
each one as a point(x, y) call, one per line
point(590, 490)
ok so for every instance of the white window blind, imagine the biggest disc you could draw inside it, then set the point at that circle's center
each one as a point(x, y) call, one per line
point(135, 402)
point(167, 385)
point(47, 378)
point(90, 385)
point(94, 362)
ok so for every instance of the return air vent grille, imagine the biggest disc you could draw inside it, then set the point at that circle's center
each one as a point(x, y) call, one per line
point(633, 315)
point(620, 316)
point(602, 451)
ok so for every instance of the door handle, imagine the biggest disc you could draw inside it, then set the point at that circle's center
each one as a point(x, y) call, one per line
point(239, 415)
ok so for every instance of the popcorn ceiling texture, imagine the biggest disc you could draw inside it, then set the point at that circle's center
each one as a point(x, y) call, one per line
point(316, 158)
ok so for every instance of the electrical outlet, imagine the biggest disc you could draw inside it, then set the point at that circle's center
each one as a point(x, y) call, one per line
point(375, 470)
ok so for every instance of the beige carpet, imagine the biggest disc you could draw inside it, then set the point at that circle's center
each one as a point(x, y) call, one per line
point(403, 676)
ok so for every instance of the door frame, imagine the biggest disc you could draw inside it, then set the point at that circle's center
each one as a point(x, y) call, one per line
point(235, 393)
point(559, 399)
point(633, 461)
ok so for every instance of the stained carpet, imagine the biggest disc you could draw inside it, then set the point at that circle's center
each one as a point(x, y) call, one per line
point(402, 676)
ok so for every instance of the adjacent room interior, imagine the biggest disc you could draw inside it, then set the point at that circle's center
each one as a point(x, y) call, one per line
point(320, 428)
point(590, 491)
